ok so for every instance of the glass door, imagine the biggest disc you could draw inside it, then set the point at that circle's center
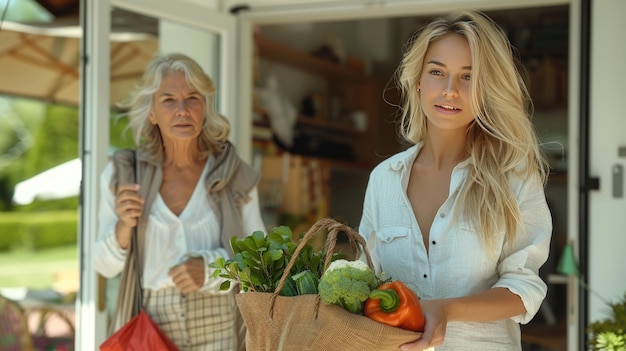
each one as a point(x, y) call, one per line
point(120, 37)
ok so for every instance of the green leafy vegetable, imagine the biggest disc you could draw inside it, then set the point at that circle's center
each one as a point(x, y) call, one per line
point(259, 262)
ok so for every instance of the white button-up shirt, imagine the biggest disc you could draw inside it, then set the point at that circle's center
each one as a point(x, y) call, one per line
point(457, 262)
point(170, 239)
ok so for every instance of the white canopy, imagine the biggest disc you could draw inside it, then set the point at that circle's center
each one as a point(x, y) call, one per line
point(58, 182)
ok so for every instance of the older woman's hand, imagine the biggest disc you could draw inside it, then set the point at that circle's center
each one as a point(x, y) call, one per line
point(128, 204)
point(128, 207)
point(189, 275)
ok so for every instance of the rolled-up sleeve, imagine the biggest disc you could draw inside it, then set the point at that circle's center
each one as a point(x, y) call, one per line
point(520, 263)
point(109, 256)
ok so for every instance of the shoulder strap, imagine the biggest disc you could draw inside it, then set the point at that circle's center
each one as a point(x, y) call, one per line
point(134, 248)
point(125, 171)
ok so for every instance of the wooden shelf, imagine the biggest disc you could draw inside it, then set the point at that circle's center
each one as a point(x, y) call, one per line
point(321, 124)
point(286, 55)
point(351, 87)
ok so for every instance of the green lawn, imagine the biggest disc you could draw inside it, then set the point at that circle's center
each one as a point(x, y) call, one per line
point(36, 270)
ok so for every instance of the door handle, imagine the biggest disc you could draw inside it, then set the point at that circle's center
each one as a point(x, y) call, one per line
point(591, 183)
point(618, 181)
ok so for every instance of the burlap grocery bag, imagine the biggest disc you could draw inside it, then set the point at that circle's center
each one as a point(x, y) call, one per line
point(281, 323)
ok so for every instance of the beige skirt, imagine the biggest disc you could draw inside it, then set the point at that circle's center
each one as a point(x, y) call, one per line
point(197, 321)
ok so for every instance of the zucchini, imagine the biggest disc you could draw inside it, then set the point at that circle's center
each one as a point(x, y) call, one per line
point(289, 289)
point(306, 282)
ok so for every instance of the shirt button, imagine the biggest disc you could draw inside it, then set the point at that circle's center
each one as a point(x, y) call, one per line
point(442, 215)
point(425, 275)
point(434, 242)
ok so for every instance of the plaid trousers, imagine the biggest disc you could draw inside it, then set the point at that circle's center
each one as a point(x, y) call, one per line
point(197, 321)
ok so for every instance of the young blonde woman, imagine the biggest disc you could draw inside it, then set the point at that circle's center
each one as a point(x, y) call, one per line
point(461, 215)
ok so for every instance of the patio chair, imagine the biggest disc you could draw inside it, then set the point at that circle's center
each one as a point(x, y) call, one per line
point(51, 328)
point(14, 333)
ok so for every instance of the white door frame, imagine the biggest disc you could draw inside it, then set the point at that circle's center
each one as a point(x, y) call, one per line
point(94, 138)
point(320, 11)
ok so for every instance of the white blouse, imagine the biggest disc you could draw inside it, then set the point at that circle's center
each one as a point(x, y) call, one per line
point(170, 239)
point(457, 263)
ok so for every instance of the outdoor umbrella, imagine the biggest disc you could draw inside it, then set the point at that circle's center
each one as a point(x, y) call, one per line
point(58, 182)
point(43, 63)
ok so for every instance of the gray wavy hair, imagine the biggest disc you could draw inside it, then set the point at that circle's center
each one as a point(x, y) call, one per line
point(216, 127)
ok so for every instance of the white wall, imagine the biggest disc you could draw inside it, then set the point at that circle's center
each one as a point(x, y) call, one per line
point(174, 37)
point(607, 251)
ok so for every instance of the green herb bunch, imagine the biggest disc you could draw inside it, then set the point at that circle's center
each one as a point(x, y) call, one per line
point(259, 262)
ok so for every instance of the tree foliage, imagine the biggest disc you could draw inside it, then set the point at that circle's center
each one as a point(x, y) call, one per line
point(56, 140)
point(36, 136)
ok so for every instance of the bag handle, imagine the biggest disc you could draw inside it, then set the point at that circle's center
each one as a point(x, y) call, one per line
point(135, 248)
point(357, 243)
point(138, 286)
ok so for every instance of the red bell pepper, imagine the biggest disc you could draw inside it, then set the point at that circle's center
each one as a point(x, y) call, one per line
point(396, 305)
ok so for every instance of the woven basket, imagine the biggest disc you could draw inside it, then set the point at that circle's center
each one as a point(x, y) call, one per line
point(303, 322)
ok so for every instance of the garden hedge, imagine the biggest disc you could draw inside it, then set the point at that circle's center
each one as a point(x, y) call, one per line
point(37, 230)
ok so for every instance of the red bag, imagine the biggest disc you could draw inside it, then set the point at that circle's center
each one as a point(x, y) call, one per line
point(139, 334)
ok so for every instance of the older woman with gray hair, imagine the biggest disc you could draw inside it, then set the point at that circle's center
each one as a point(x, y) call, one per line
point(191, 194)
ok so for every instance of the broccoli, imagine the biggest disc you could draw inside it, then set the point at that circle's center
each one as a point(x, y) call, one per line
point(347, 284)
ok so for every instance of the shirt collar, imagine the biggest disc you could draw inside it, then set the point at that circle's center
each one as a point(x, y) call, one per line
point(405, 160)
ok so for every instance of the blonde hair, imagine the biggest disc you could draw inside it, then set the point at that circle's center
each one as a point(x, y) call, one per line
point(501, 140)
point(216, 127)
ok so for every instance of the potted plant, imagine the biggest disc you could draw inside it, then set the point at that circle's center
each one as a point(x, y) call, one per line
point(610, 334)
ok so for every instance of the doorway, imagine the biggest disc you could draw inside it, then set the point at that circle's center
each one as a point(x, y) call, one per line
point(372, 47)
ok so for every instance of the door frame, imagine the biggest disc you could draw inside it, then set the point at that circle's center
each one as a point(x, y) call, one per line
point(578, 67)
